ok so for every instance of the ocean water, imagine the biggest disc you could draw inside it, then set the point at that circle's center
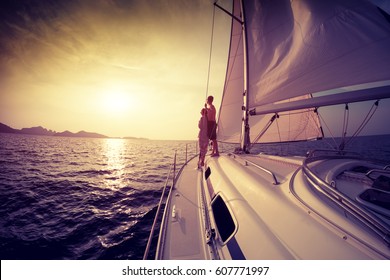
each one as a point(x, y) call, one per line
point(376, 147)
point(78, 198)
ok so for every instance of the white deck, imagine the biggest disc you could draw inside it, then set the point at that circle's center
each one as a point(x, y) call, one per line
point(185, 235)
point(271, 221)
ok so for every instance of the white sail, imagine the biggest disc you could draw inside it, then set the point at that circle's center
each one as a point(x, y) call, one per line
point(289, 126)
point(313, 46)
point(230, 115)
point(299, 47)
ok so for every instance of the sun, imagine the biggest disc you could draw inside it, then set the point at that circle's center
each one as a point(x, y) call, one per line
point(116, 101)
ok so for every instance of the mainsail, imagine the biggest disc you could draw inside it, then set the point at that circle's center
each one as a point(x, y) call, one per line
point(283, 53)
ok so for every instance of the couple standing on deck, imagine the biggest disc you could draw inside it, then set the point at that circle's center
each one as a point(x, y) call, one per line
point(207, 130)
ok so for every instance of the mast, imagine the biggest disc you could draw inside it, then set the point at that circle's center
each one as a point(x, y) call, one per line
point(245, 139)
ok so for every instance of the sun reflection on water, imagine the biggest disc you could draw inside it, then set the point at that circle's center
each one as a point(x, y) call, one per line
point(114, 152)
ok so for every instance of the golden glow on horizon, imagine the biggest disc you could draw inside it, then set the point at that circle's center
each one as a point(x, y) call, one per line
point(95, 68)
point(138, 68)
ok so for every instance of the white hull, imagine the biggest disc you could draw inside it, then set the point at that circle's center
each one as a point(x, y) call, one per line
point(275, 212)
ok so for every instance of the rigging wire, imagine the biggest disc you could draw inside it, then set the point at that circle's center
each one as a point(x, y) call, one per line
point(280, 137)
point(278, 128)
point(264, 130)
point(329, 130)
point(345, 128)
point(210, 53)
point(365, 121)
point(318, 121)
point(363, 124)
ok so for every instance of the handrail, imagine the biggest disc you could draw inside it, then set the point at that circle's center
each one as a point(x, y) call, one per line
point(263, 169)
point(163, 225)
point(172, 168)
point(383, 171)
point(186, 153)
point(370, 220)
point(146, 253)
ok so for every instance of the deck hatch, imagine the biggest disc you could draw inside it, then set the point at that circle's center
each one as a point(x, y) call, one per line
point(376, 198)
point(382, 183)
point(223, 218)
point(207, 173)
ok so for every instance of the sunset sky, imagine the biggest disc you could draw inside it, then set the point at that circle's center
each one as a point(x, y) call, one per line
point(117, 67)
point(120, 68)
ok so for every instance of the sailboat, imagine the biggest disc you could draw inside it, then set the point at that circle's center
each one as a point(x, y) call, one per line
point(286, 60)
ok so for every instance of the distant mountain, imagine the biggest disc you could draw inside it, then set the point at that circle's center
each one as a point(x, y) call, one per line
point(80, 134)
point(135, 138)
point(6, 129)
point(39, 130)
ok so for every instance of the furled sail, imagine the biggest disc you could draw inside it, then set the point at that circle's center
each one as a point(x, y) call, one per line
point(339, 49)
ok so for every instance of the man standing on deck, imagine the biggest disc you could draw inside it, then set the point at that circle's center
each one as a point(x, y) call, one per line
point(212, 124)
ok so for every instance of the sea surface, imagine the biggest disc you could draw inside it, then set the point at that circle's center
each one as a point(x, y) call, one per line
point(81, 198)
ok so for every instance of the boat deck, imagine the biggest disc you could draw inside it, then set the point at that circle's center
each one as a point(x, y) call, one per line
point(270, 203)
point(184, 238)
